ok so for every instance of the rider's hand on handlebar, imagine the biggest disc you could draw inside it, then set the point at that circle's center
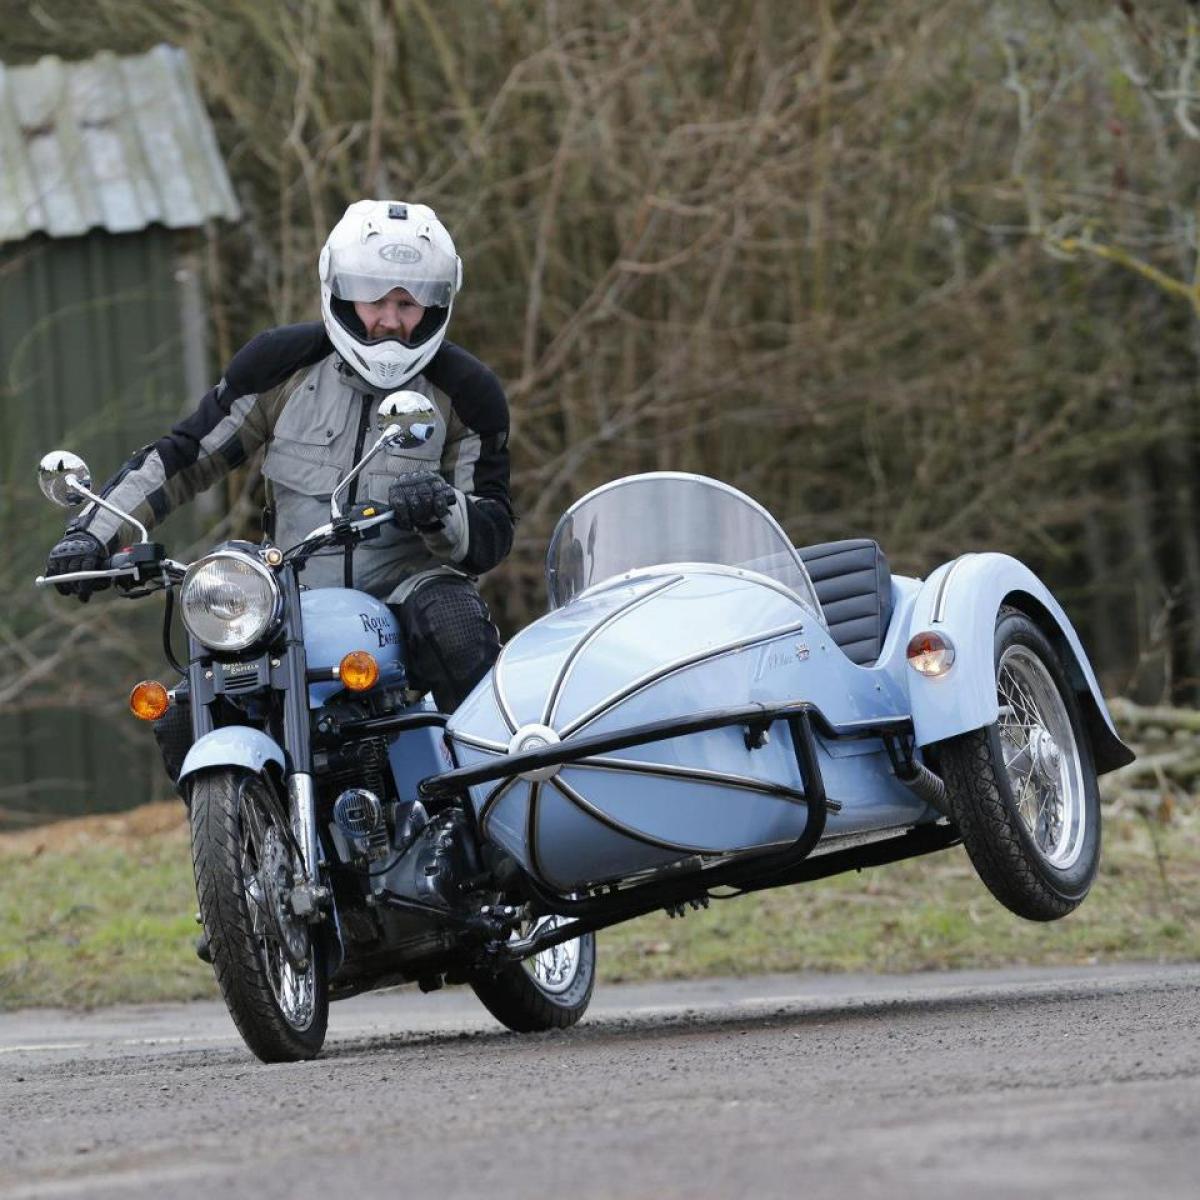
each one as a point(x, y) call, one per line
point(421, 500)
point(77, 550)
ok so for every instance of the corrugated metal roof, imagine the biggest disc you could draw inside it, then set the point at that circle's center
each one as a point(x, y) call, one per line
point(111, 143)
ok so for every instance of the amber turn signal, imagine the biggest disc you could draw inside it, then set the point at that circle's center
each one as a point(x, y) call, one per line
point(930, 654)
point(149, 700)
point(358, 671)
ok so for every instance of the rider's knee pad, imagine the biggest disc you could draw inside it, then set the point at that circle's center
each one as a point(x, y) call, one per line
point(450, 638)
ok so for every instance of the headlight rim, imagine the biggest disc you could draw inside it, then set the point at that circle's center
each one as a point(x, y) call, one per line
point(268, 629)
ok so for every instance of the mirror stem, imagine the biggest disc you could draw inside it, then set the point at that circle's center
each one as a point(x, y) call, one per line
point(335, 509)
point(75, 485)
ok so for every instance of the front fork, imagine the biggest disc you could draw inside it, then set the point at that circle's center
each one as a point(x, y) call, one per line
point(309, 895)
point(288, 678)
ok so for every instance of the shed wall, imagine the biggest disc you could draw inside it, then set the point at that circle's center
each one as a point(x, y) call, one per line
point(92, 358)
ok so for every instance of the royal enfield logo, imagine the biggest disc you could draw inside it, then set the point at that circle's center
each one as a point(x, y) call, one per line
point(398, 252)
point(379, 626)
point(801, 651)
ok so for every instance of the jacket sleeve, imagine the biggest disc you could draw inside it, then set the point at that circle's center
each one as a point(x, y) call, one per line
point(230, 423)
point(475, 461)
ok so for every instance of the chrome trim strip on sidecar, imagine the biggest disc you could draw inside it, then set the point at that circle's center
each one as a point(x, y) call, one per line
point(535, 791)
point(611, 701)
point(477, 743)
point(699, 775)
point(567, 667)
point(492, 799)
point(862, 837)
point(502, 704)
point(939, 601)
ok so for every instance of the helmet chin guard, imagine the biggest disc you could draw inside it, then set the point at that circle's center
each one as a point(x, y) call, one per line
point(379, 245)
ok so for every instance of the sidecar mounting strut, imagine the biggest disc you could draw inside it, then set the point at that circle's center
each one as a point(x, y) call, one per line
point(754, 716)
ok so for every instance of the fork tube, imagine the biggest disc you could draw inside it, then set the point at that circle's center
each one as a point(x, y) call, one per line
point(302, 800)
point(200, 691)
point(302, 791)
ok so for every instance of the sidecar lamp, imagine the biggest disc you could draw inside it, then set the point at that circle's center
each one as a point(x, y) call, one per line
point(358, 671)
point(930, 654)
point(149, 700)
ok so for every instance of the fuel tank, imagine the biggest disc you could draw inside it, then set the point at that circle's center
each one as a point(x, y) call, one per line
point(339, 620)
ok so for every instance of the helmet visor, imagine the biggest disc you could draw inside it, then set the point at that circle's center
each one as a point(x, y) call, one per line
point(429, 293)
point(370, 271)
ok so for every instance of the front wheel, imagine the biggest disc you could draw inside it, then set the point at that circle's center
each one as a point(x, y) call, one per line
point(551, 990)
point(270, 965)
point(1023, 791)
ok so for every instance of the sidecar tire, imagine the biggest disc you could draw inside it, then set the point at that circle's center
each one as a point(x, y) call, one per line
point(238, 952)
point(1031, 879)
point(518, 1001)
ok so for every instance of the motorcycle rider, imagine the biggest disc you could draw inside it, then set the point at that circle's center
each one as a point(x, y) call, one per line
point(389, 274)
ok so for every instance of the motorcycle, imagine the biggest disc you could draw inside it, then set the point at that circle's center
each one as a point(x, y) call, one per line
point(704, 706)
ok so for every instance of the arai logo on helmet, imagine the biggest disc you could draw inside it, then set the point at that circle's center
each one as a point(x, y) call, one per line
point(398, 252)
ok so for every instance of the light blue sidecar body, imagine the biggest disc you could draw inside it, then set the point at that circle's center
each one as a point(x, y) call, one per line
point(673, 595)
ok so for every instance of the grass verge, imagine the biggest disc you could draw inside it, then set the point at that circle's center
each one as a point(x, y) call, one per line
point(101, 911)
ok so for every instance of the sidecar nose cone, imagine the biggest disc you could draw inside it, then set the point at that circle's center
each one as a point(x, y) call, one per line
point(535, 737)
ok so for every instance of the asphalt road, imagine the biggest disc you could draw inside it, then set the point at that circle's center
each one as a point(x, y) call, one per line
point(1055, 1082)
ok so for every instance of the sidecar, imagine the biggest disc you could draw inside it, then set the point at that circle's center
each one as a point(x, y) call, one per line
point(704, 701)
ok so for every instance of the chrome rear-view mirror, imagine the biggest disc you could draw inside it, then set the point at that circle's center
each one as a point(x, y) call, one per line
point(410, 419)
point(60, 474)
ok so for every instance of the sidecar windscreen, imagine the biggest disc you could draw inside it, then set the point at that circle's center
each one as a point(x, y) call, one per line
point(668, 517)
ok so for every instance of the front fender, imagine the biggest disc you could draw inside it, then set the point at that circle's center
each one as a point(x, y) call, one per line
point(232, 746)
point(961, 600)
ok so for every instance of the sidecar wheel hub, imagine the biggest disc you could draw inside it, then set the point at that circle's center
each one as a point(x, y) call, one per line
point(1047, 756)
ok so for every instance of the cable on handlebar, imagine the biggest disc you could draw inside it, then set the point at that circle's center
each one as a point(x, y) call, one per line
point(168, 615)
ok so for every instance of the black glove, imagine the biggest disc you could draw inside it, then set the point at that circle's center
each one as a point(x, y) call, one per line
point(77, 550)
point(419, 501)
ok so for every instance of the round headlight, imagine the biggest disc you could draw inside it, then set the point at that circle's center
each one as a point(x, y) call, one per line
point(229, 601)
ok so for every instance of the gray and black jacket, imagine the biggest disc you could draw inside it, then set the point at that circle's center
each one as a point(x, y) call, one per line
point(289, 391)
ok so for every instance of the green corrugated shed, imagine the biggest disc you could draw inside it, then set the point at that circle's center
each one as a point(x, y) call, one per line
point(108, 176)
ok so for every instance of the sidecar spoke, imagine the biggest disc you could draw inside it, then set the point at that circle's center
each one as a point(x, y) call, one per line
point(1050, 794)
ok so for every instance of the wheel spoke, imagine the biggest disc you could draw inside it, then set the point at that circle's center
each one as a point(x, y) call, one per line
point(1040, 755)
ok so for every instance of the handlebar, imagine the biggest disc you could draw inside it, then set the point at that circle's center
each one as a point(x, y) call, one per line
point(360, 521)
point(130, 564)
point(145, 563)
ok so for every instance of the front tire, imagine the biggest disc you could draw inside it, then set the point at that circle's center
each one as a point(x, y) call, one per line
point(270, 965)
point(1023, 791)
point(549, 991)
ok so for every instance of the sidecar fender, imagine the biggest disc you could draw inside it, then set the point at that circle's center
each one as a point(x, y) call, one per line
point(961, 600)
point(232, 746)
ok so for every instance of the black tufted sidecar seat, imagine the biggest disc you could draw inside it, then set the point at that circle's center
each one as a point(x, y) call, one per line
point(854, 585)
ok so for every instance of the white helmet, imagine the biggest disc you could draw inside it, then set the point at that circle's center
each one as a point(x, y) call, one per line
point(379, 245)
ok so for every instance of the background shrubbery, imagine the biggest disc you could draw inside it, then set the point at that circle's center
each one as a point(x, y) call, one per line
point(919, 270)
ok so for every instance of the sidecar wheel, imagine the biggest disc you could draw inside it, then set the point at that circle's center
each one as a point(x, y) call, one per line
point(549, 991)
point(1023, 791)
point(271, 967)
